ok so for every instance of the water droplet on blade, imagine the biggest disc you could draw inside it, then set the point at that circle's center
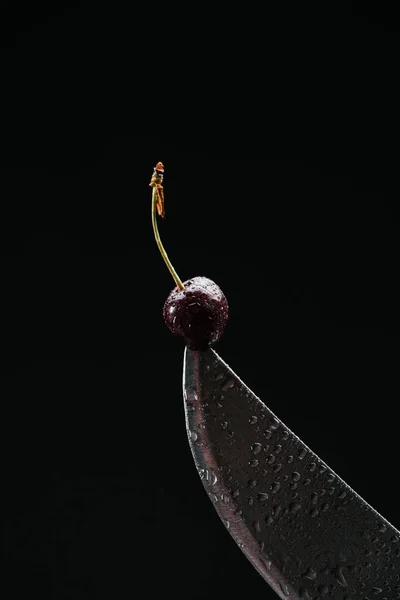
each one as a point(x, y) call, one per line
point(274, 423)
point(275, 487)
point(256, 448)
point(228, 385)
point(263, 496)
point(256, 526)
point(284, 588)
point(301, 453)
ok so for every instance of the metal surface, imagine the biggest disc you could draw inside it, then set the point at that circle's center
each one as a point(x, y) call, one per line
point(303, 528)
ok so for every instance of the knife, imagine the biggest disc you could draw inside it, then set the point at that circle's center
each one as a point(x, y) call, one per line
point(307, 533)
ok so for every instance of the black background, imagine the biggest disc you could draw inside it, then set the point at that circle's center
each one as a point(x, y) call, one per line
point(102, 496)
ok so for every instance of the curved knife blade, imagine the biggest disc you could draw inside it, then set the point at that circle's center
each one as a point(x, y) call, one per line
point(303, 528)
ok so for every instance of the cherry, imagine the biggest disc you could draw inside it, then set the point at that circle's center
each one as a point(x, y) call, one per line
point(198, 313)
point(196, 310)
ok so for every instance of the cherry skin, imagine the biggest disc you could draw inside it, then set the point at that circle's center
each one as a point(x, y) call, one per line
point(197, 313)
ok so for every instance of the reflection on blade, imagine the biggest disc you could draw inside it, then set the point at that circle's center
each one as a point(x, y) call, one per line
point(305, 530)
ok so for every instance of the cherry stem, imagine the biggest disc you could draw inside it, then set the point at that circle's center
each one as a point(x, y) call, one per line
point(161, 248)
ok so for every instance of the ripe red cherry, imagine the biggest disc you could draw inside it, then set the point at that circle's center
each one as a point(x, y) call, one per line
point(196, 310)
point(197, 313)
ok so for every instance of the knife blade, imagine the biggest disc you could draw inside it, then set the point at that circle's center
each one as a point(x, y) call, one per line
point(306, 532)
